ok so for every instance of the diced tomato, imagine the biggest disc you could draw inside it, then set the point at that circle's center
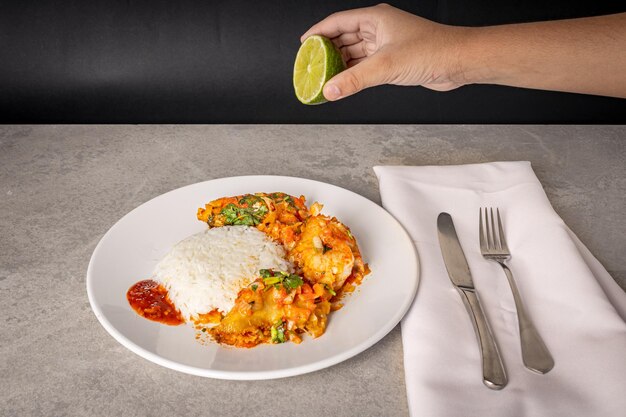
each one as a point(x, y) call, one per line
point(318, 289)
point(279, 295)
point(307, 293)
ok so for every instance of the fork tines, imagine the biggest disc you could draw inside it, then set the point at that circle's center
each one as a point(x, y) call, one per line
point(491, 239)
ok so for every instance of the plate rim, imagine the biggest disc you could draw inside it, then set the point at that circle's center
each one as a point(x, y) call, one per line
point(253, 375)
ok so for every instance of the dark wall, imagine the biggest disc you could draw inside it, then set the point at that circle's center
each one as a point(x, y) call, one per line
point(231, 62)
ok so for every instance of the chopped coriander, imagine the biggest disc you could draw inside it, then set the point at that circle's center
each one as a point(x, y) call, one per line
point(277, 278)
point(292, 282)
point(250, 200)
point(244, 216)
point(254, 287)
point(282, 197)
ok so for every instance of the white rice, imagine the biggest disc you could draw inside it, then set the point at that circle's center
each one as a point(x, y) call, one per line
point(206, 270)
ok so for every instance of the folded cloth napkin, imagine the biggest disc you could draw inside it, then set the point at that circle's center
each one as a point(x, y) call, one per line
point(575, 305)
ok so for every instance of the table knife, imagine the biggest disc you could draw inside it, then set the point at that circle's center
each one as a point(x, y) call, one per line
point(494, 376)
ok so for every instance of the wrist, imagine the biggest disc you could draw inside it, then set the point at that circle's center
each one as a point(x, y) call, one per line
point(476, 57)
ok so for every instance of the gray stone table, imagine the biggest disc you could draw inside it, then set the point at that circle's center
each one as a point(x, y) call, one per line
point(62, 187)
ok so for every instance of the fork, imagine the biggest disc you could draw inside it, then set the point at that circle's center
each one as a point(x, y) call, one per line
point(535, 354)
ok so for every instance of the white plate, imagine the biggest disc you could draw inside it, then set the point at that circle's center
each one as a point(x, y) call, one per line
point(129, 251)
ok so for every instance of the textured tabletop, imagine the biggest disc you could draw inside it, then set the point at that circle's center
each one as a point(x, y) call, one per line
point(63, 187)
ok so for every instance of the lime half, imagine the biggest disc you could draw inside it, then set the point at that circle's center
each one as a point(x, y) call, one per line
point(318, 61)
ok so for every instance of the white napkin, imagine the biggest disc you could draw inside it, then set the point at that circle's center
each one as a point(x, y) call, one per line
point(563, 286)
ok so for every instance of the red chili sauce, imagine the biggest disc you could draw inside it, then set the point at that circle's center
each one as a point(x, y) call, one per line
point(149, 299)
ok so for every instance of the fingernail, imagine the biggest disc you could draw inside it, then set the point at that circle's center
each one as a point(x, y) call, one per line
point(331, 91)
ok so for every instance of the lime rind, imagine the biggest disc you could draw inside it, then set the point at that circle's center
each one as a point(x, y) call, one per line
point(317, 61)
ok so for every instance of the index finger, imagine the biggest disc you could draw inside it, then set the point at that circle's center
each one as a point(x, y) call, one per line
point(337, 23)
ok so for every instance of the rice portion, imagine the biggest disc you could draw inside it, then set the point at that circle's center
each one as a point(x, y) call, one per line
point(206, 271)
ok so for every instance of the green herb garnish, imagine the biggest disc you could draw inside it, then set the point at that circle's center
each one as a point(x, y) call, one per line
point(280, 197)
point(292, 282)
point(276, 278)
point(330, 289)
point(250, 200)
point(244, 216)
point(278, 333)
point(272, 280)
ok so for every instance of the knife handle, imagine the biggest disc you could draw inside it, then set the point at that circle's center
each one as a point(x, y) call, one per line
point(494, 376)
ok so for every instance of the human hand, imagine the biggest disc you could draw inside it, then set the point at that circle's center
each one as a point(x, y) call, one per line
point(385, 45)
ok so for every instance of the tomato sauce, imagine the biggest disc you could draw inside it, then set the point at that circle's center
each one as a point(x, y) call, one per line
point(149, 299)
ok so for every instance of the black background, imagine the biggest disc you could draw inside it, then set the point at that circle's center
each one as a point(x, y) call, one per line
point(231, 62)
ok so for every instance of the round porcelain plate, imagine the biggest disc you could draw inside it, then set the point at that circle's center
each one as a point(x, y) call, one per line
point(129, 251)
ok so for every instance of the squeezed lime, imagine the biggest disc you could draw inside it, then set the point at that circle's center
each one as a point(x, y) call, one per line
point(318, 60)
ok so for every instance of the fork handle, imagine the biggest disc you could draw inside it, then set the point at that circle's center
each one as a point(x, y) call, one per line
point(494, 376)
point(535, 354)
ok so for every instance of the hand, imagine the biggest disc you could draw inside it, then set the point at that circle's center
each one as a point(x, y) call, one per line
point(385, 45)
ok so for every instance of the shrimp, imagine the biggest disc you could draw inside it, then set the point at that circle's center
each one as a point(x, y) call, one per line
point(326, 251)
point(320, 246)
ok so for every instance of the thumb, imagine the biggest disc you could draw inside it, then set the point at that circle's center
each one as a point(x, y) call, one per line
point(370, 72)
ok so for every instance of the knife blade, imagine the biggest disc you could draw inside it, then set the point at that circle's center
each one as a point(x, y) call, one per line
point(494, 376)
